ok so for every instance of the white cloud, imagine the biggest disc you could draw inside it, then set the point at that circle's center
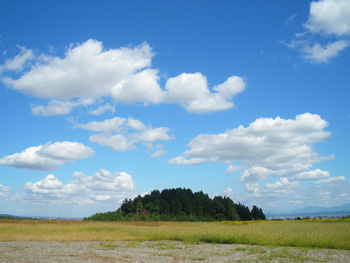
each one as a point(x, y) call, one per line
point(116, 124)
point(331, 180)
point(88, 71)
point(116, 142)
point(184, 161)
point(320, 54)
point(102, 109)
point(192, 92)
point(48, 156)
point(141, 87)
point(82, 190)
point(59, 107)
point(253, 188)
point(316, 53)
point(136, 124)
point(331, 17)
point(282, 183)
point(277, 147)
point(233, 168)
point(159, 151)
point(55, 107)
point(310, 175)
point(290, 19)
point(285, 194)
point(232, 195)
point(19, 61)
point(254, 174)
point(281, 189)
point(328, 18)
point(151, 135)
point(5, 191)
point(122, 134)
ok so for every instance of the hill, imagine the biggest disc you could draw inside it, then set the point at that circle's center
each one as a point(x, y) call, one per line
point(180, 205)
point(315, 211)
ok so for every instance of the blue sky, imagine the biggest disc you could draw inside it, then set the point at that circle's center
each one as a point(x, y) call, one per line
point(104, 100)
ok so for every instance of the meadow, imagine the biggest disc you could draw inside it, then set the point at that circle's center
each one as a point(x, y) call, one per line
point(333, 234)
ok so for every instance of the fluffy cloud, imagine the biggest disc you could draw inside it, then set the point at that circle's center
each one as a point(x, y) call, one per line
point(89, 72)
point(103, 186)
point(121, 134)
point(86, 71)
point(276, 147)
point(191, 91)
point(48, 156)
point(329, 17)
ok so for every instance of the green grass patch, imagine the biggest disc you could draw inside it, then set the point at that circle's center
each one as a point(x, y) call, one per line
point(307, 234)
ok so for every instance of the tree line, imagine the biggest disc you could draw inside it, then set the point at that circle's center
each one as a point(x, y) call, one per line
point(180, 205)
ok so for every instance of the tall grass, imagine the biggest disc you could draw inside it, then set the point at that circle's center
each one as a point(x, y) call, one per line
point(316, 234)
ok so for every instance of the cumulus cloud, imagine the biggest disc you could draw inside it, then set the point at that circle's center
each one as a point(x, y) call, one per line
point(82, 189)
point(255, 173)
point(327, 18)
point(121, 134)
point(331, 17)
point(89, 71)
point(48, 156)
point(277, 147)
point(191, 91)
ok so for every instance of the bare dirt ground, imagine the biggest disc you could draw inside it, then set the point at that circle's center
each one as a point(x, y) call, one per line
point(162, 251)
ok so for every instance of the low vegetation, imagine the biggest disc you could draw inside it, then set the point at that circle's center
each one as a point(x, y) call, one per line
point(300, 233)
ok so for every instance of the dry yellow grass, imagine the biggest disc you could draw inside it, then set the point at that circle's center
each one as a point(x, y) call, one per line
point(322, 234)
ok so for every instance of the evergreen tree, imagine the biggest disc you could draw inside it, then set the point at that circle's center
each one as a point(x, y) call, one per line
point(180, 204)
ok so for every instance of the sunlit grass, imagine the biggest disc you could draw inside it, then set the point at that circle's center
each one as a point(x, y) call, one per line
point(310, 233)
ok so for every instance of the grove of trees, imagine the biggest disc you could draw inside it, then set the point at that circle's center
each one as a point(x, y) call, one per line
point(180, 205)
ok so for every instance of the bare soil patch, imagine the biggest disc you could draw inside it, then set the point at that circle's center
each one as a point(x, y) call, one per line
point(161, 251)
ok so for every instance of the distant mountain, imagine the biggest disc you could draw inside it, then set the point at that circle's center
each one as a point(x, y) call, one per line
point(319, 209)
point(40, 217)
point(8, 216)
point(315, 211)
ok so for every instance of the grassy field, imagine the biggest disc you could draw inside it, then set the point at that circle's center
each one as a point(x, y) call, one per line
point(315, 234)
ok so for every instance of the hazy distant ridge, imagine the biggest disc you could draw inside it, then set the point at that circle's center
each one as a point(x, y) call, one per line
point(315, 211)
